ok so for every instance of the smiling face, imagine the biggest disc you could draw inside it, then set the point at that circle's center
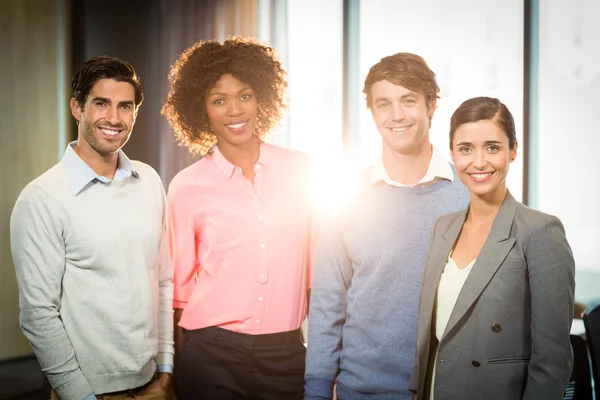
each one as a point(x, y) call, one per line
point(482, 155)
point(106, 120)
point(402, 117)
point(232, 109)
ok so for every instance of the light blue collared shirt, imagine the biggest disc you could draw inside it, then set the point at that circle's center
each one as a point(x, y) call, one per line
point(79, 174)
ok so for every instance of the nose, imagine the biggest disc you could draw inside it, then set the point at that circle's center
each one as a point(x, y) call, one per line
point(235, 108)
point(480, 160)
point(112, 116)
point(399, 114)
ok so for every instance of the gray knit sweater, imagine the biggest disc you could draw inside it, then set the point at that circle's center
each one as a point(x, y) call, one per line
point(94, 280)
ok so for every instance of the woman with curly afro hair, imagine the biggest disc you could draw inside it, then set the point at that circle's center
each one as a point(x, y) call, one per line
point(238, 227)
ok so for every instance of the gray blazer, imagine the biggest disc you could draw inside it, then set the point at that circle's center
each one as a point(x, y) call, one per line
point(508, 334)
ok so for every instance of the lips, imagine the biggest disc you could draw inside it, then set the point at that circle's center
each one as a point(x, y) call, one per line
point(399, 129)
point(110, 131)
point(237, 126)
point(481, 176)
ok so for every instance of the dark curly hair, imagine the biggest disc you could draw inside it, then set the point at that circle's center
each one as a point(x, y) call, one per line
point(197, 71)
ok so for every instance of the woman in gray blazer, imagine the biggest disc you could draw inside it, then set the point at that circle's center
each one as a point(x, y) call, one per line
point(497, 293)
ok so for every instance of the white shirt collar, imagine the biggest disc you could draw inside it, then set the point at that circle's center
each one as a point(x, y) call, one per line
point(439, 168)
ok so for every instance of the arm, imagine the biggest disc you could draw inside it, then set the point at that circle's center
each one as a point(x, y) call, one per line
point(164, 358)
point(182, 251)
point(332, 275)
point(178, 332)
point(38, 250)
point(413, 382)
point(551, 280)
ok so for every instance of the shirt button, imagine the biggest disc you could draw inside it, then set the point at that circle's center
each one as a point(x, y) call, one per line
point(496, 328)
point(262, 245)
point(474, 363)
point(260, 299)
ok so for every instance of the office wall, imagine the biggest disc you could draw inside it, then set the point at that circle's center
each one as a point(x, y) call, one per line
point(33, 71)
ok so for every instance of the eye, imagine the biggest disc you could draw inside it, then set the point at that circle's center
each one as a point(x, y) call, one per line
point(464, 150)
point(247, 96)
point(383, 105)
point(126, 107)
point(218, 102)
point(409, 101)
point(100, 104)
point(492, 148)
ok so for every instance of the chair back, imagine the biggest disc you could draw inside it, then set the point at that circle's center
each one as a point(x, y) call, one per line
point(591, 320)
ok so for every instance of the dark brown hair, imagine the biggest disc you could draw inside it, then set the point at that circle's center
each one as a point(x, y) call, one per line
point(104, 67)
point(197, 71)
point(484, 108)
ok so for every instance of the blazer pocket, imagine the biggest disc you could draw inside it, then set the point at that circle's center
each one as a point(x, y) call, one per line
point(513, 265)
point(509, 360)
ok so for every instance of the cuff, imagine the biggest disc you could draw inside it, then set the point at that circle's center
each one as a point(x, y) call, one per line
point(179, 304)
point(318, 388)
point(164, 359)
point(76, 388)
point(168, 368)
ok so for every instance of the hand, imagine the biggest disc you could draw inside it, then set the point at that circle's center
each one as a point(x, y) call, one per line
point(159, 389)
point(163, 381)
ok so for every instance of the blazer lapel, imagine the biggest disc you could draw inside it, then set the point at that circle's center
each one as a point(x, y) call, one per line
point(437, 261)
point(493, 253)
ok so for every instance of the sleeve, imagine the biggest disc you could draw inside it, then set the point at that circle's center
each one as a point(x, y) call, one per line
point(312, 224)
point(164, 359)
point(38, 250)
point(332, 275)
point(413, 382)
point(551, 280)
point(181, 238)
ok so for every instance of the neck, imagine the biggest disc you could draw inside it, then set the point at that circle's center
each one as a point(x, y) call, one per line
point(102, 164)
point(484, 208)
point(408, 168)
point(243, 156)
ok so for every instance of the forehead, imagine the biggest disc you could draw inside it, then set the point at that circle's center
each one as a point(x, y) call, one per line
point(229, 83)
point(388, 89)
point(111, 89)
point(479, 132)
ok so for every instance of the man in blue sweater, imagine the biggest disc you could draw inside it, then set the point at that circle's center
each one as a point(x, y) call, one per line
point(370, 257)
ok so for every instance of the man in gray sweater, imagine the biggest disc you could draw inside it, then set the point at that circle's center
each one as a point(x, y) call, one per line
point(88, 244)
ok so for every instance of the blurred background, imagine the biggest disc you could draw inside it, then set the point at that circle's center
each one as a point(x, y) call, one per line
point(540, 57)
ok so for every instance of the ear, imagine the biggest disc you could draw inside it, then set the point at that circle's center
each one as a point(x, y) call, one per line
point(513, 152)
point(432, 108)
point(75, 109)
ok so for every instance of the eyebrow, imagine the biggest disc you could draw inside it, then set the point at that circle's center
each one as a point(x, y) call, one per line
point(225, 94)
point(486, 142)
point(109, 101)
point(404, 96)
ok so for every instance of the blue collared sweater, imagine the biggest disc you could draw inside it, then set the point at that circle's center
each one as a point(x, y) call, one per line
point(365, 293)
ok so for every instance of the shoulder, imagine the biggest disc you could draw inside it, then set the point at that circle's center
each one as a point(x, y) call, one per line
point(191, 176)
point(51, 183)
point(145, 171)
point(534, 221)
point(446, 220)
point(286, 156)
point(43, 195)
